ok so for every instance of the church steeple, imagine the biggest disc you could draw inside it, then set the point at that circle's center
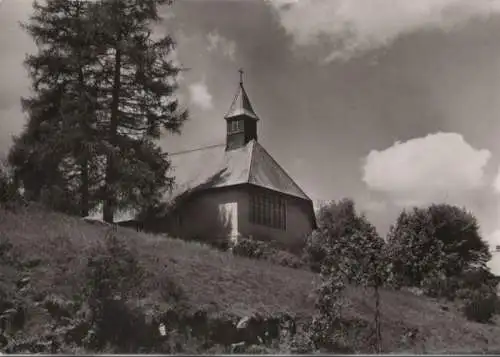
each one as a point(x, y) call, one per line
point(241, 119)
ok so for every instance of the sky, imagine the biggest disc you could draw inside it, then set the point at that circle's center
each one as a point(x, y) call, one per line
point(393, 103)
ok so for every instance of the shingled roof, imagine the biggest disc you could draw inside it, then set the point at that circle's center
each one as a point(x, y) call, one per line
point(213, 167)
point(241, 105)
point(218, 166)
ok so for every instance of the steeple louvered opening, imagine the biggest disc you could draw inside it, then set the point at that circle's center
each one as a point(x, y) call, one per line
point(241, 119)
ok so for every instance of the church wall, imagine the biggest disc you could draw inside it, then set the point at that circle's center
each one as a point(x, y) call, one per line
point(224, 214)
point(211, 216)
point(298, 224)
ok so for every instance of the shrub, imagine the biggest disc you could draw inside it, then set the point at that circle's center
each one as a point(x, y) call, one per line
point(170, 292)
point(113, 274)
point(460, 286)
point(326, 330)
point(441, 287)
point(256, 249)
point(480, 307)
point(314, 251)
point(119, 319)
point(437, 239)
point(8, 189)
point(250, 248)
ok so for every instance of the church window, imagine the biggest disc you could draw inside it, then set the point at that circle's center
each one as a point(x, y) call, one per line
point(268, 210)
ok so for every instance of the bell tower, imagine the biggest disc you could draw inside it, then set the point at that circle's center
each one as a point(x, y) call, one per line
point(241, 120)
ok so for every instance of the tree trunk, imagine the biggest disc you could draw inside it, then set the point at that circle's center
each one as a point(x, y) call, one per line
point(84, 167)
point(109, 203)
point(86, 111)
point(85, 188)
point(378, 332)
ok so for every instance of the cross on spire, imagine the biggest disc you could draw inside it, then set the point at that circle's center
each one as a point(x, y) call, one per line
point(241, 75)
point(241, 119)
point(241, 104)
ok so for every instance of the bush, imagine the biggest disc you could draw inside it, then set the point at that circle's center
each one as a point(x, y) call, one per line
point(113, 275)
point(481, 308)
point(437, 239)
point(460, 286)
point(326, 331)
point(314, 251)
point(255, 249)
point(8, 189)
point(250, 248)
point(441, 287)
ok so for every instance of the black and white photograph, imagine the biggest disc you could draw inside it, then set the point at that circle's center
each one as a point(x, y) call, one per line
point(250, 177)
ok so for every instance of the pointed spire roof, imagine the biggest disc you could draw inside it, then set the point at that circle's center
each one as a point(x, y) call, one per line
point(241, 104)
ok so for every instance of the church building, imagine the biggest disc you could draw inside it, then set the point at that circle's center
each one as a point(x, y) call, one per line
point(236, 189)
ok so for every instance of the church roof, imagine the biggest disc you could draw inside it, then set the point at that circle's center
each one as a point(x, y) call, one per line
point(213, 167)
point(241, 105)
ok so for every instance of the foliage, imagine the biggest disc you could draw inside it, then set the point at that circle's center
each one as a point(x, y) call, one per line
point(256, 249)
point(137, 102)
point(112, 271)
point(326, 330)
point(341, 227)
point(113, 275)
point(8, 189)
point(250, 248)
point(205, 275)
point(476, 289)
point(348, 247)
point(103, 90)
point(435, 242)
point(441, 287)
point(53, 153)
point(459, 286)
point(480, 305)
point(463, 245)
point(314, 252)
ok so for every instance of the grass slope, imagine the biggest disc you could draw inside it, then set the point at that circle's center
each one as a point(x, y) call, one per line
point(221, 282)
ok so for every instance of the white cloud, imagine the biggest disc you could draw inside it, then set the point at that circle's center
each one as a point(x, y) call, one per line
point(426, 169)
point(375, 206)
point(200, 96)
point(352, 27)
point(494, 239)
point(217, 42)
point(496, 182)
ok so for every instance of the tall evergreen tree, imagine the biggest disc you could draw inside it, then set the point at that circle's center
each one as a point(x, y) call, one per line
point(136, 99)
point(103, 90)
point(53, 154)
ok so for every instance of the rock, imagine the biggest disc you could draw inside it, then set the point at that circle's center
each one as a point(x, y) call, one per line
point(23, 282)
point(238, 347)
point(415, 291)
point(57, 306)
point(256, 329)
point(162, 329)
point(243, 323)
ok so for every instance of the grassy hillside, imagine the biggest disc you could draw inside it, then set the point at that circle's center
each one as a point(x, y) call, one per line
point(53, 248)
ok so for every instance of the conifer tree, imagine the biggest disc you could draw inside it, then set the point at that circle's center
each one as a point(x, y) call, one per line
point(137, 87)
point(103, 91)
point(53, 153)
